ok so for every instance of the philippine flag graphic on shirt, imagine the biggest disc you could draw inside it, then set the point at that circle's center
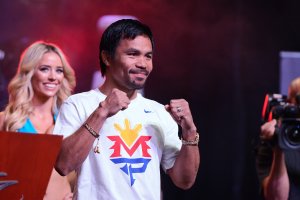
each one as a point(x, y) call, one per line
point(130, 140)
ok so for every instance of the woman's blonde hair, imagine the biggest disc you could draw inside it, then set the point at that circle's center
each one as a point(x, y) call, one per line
point(20, 87)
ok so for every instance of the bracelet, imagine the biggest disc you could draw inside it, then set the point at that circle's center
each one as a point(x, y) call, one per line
point(191, 143)
point(91, 130)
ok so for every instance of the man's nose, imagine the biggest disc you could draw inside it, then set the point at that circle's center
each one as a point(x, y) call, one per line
point(141, 63)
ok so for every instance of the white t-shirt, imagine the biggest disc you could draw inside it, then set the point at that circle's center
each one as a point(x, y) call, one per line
point(133, 143)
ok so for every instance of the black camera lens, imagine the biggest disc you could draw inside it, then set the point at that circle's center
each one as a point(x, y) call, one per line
point(292, 134)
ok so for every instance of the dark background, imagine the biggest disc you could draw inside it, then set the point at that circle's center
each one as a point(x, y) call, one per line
point(220, 55)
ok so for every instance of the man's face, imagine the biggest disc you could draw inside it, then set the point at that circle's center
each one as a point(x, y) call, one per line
point(131, 64)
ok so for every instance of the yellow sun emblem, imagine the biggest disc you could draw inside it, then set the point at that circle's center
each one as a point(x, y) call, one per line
point(127, 134)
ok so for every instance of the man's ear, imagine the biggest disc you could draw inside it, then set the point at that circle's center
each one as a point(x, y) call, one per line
point(105, 57)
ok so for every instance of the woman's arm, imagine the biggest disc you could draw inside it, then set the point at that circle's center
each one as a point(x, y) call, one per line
point(1, 121)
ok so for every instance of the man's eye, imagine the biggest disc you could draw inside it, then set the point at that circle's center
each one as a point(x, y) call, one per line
point(132, 53)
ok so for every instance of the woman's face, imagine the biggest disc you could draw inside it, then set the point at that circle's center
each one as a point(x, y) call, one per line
point(48, 76)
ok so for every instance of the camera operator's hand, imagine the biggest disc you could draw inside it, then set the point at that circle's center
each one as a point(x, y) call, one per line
point(267, 130)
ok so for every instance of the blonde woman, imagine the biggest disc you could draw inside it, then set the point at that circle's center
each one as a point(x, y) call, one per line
point(43, 81)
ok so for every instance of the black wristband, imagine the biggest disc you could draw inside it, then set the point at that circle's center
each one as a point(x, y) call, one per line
point(91, 130)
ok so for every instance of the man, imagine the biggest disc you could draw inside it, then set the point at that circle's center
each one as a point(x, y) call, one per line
point(116, 139)
point(278, 170)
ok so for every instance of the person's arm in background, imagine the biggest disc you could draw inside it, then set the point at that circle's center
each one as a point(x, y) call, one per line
point(1, 121)
point(77, 146)
point(276, 184)
point(184, 171)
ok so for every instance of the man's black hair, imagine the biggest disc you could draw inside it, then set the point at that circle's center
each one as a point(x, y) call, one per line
point(121, 29)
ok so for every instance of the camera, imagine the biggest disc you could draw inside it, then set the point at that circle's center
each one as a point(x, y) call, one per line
point(287, 132)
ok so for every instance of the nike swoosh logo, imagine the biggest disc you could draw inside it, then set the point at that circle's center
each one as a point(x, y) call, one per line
point(147, 111)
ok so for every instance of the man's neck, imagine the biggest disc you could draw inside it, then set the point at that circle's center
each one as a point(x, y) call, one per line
point(106, 89)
